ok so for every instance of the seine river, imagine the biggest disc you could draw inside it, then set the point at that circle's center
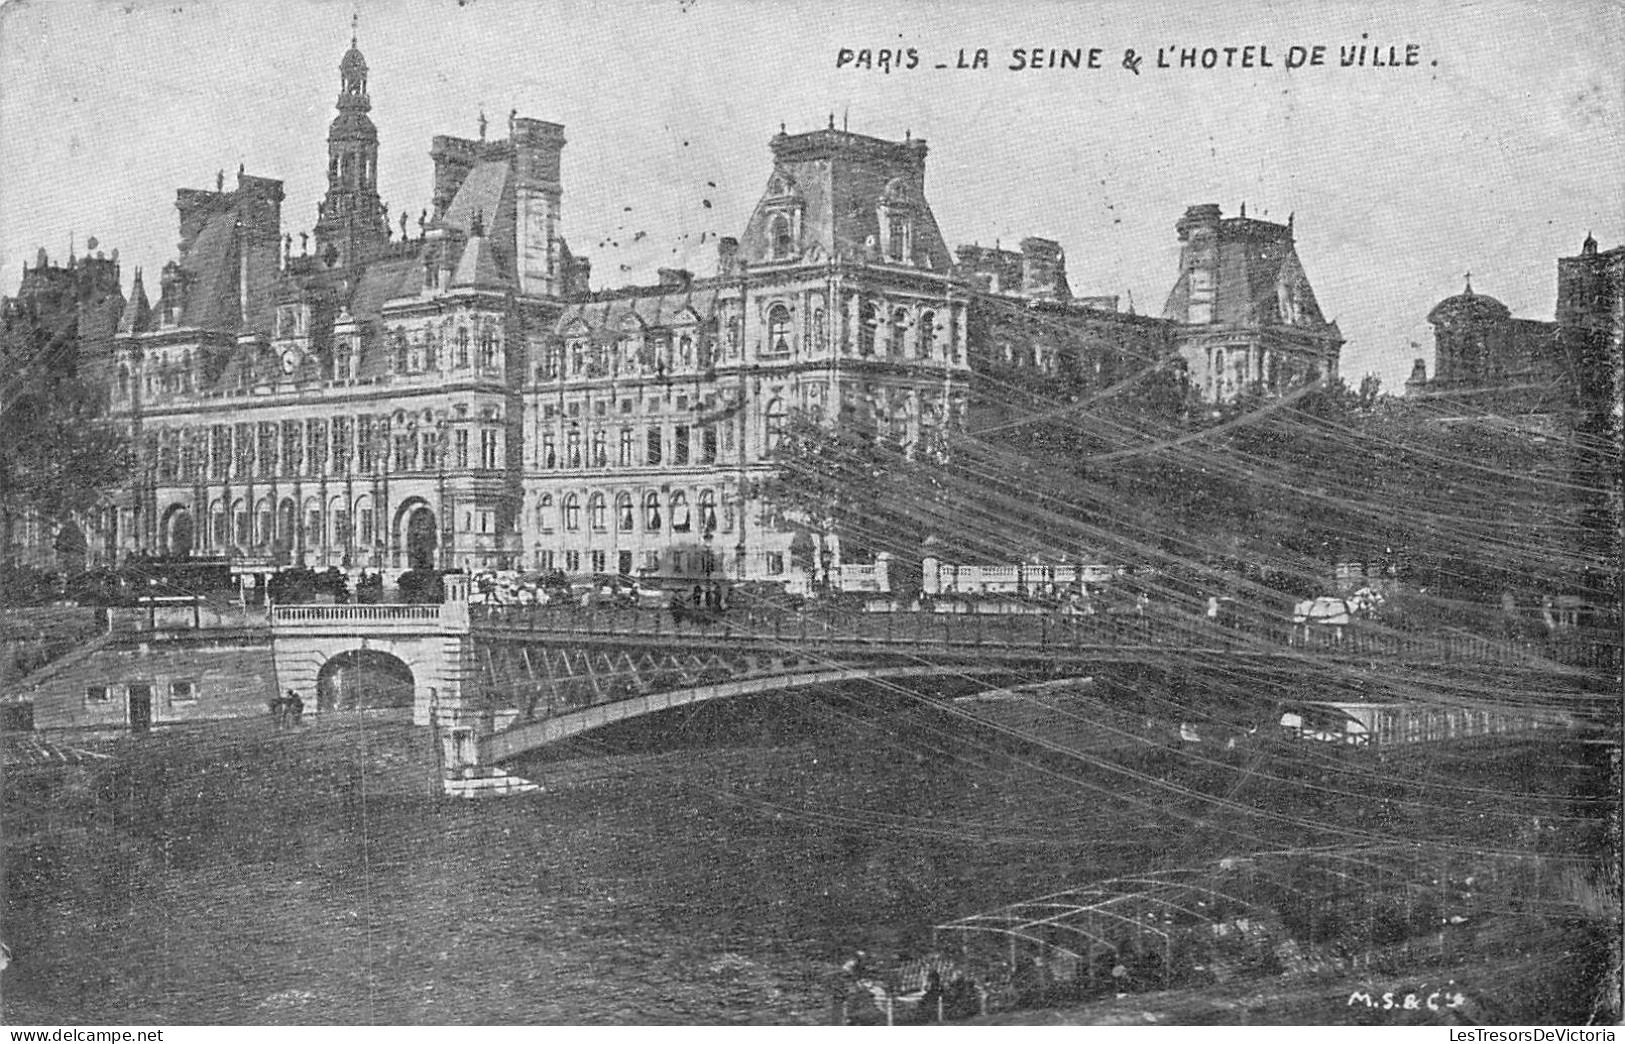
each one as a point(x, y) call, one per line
point(712, 866)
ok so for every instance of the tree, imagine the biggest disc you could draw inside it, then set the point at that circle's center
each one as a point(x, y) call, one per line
point(59, 454)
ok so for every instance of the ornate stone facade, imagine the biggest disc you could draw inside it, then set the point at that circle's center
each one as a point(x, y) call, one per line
point(459, 398)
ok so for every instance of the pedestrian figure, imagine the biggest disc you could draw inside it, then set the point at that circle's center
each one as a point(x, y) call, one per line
point(296, 707)
point(275, 707)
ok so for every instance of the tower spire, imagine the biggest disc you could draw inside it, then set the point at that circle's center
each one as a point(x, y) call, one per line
point(350, 223)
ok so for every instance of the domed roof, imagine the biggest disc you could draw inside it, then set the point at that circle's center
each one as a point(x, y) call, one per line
point(352, 59)
point(1468, 306)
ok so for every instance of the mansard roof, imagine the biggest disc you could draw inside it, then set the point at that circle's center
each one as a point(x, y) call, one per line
point(659, 307)
point(839, 181)
point(1255, 262)
point(479, 269)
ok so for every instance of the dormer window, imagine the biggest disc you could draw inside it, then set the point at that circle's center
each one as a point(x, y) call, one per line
point(783, 241)
point(896, 221)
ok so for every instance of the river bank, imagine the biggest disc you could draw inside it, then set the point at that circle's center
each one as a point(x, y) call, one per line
point(711, 868)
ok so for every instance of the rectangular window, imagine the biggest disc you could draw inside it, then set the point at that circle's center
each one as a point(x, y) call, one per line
point(97, 694)
point(488, 450)
point(598, 561)
point(183, 692)
point(651, 561)
point(363, 446)
point(572, 561)
point(341, 446)
point(679, 445)
point(651, 454)
point(572, 449)
point(462, 447)
point(544, 561)
point(550, 451)
point(365, 516)
point(677, 562)
point(628, 442)
point(600, 452)
point(775, 563)
point(404, 445)
point(708, 444)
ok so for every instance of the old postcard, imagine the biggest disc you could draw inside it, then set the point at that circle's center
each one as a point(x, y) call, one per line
point(698, 512)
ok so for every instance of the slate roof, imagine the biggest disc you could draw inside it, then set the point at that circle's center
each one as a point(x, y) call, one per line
point(1250, 270)
point(479, 269)
point(653, 306)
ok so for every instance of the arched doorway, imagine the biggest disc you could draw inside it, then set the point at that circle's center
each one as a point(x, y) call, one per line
point(178, 536)
point(364, 679)
point(70, 549)
point(421, 539)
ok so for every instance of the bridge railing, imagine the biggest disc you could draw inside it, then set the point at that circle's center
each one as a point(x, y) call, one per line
point(1035, 631)
point(356, 614)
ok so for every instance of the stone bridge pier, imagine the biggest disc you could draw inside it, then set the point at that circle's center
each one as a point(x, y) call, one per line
point(433, 642)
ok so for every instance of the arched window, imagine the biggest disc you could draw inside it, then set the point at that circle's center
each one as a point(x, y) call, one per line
point(778, 330)
point(774, 429)
point(651, 512)
point(462, 346)
point(600, 449)
point(596, 516)
point(578, 358)
point(488, 350)
point(708, 511)
point(572, 512)
point(431, 351)
point(623, 512)
point(928, 334)
point(123, 379)
point(868, 321)
point(400, 351)
point(820, 339)
point(544, 513)
point(783, 244)
point(679, 512)
point(899, 329)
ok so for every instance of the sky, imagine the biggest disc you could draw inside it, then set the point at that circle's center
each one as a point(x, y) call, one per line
point(1495, 153)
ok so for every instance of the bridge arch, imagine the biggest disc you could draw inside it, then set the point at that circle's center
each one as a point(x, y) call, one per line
point(364, 679)
point(528, 736)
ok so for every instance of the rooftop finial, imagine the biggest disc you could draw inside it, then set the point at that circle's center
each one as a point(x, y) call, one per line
point(355, 17)
point(1244, 208)
point(1469, 289)
point(482, 123)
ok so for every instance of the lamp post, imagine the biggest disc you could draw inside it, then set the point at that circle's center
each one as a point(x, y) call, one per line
point(826, 559)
